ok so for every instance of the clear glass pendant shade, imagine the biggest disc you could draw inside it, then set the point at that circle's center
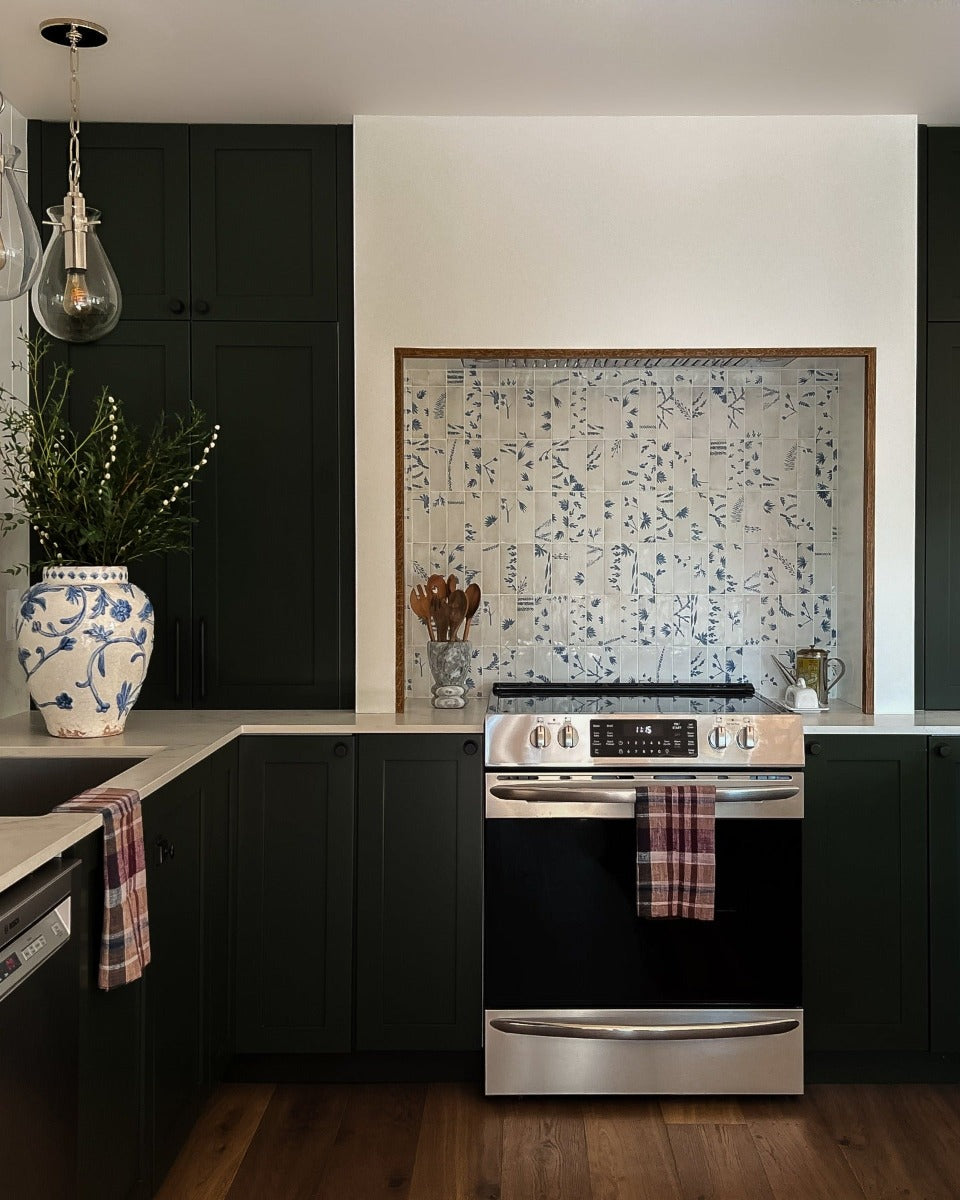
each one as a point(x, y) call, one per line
point(76, 305)
point(19, 239)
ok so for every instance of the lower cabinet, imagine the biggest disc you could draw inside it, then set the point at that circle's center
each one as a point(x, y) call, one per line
point(419, 892)
point(865, 956)
point(944, 775)
point(406, 809)
point(149, 1049)
point(294, 980)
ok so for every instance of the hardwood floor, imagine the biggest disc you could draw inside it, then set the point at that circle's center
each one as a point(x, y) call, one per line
point(444, 1141)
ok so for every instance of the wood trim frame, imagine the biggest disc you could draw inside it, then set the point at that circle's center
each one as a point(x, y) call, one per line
point(867, 353)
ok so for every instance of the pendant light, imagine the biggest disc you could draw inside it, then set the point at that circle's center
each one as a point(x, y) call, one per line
point(77, 297)
point(19, 239)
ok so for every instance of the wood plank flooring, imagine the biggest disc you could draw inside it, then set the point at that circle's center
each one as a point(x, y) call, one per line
point(444, 1141)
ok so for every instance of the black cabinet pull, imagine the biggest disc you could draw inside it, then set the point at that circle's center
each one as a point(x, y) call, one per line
point(176, 305)
point(202, 307)
point(944, 750)
point(164, 850)
point(177, 689)
point(814, 748)
point(470, 747)
point(341, 750)
point(202, 637)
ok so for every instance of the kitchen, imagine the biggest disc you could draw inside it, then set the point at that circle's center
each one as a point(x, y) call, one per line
point(668, 231)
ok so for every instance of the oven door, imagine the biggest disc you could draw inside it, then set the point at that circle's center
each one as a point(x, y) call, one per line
point(564, 947)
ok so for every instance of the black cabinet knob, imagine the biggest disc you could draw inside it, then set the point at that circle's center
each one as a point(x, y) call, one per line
point(341, 750)
point(202, 307)
point(814, 748)
point(944, 750)
point(176, 306)
point(470, 748)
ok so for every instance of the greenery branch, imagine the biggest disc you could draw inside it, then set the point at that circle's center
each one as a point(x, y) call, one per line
point(109, 495)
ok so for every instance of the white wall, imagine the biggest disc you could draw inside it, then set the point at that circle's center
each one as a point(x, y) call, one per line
point(641, 233)
point(14, 548)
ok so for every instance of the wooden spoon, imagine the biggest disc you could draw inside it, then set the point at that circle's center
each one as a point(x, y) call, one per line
point(439, 613)
point(437, 586)
point(456, 605)
point(420, 603)
point(452, 584)
point(473, 603)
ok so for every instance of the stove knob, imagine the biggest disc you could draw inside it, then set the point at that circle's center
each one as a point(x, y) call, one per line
point(717, 737)
point(568, 736)
point(540, 736)
point(747, 737)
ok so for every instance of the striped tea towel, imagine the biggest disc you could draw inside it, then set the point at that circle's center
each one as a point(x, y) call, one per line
point(675, 851)
point(125, 943)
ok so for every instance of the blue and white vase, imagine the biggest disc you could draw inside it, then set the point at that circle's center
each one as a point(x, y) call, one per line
point(84, 638)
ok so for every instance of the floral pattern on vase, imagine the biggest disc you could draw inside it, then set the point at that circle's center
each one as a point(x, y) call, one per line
point(84, 639)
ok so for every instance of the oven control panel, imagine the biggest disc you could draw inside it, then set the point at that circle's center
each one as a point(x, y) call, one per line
point(657, 737)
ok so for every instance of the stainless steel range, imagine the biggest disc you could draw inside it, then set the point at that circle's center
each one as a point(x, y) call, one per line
point(583, 996)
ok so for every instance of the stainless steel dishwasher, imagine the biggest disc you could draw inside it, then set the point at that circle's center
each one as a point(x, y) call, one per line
point(39, 999)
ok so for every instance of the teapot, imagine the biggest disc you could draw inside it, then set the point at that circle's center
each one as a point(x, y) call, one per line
point(819, 671)
point(801, 698)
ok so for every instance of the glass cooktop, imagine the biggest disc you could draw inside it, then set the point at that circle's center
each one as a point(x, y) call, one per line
point(669, 698)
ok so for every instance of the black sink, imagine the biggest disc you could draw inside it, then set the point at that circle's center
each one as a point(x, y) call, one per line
point(30, 787)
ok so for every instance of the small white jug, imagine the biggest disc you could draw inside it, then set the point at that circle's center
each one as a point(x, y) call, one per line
point(801, 698)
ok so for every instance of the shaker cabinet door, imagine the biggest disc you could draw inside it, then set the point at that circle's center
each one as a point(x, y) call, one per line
point(138, 177)
point(268, 544)
point(263, 204)
point(945, 895)
point(865, 893)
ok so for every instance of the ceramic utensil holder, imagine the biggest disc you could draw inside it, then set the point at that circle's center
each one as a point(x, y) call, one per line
point(449, 664)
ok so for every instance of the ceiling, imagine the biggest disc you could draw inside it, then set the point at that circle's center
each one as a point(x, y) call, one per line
point(328, 60)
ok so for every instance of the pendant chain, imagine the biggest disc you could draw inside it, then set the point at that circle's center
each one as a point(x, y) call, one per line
point(73, 176)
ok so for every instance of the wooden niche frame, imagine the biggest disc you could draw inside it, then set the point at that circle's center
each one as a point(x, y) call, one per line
point(589, 358)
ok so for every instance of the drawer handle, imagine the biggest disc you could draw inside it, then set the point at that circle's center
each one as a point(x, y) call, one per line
point(341, 750)
point(706, 1031)
point(944, 750)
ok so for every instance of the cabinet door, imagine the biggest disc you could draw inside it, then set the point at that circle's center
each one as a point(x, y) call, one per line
point(171, 829)
point(110, 1127)
point(942, 527)
point(138, 176)
point(218, 869)
point(419, 831)
point(945, 895)
point(264, 222)
point(269, 573)
point(943, 196)
point(295, 894)
point(146, 364)
point(865, 893)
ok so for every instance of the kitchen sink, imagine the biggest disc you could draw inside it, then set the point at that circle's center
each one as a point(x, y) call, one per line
point(30, 787)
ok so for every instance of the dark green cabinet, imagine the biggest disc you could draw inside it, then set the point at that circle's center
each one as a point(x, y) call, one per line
point(217, 875)
point(174, 979)
point(419, 886)
point(286, 550)
point(139, 178)
point(233, 248)
point(865, 894)
point(110, 1146)
point(944, 773)
point(942, 192)
point(294, 968)
point(941, 530)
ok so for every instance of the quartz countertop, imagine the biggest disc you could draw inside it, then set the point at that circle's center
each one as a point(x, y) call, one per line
point(172, 741)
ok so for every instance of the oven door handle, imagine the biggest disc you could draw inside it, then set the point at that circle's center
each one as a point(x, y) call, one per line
point(543, 1027)
point(538, 793)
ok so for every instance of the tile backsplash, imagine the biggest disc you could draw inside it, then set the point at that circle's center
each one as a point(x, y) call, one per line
point(625, 522)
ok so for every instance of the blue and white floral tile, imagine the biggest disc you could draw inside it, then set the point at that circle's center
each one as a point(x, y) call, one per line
point(620, 516)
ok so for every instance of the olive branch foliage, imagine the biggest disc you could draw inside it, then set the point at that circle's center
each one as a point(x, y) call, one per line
point(111, 494)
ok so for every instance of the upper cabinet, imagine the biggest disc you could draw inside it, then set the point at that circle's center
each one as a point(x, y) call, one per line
point(233, 248)
point(263, 223)
point(938, 432)
point(943, 198)
point(138, 176)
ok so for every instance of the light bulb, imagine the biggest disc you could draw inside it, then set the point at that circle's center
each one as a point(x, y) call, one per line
point(77, 301)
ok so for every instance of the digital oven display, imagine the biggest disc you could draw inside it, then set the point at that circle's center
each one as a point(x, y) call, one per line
point(660, 738)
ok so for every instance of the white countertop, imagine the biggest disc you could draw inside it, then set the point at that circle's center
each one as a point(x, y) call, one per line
point(172, 741)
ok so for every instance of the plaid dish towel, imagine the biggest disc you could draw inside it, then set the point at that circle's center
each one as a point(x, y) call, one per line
point(676, 861)
point(125, 943)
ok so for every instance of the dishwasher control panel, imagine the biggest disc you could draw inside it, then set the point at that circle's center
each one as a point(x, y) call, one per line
point(20, 958)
